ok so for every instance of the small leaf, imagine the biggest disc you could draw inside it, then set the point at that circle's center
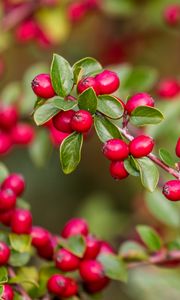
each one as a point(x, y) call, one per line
point(131, 250)
point(105, 129)
point(166, 157)
point(20, 243)
point(21, 203)
point(150, 237)
point(39, 101)
point(62, 76)
point(19, 259)
point(88, 101)
point(64, 104)
point(45, 112)
point(110, 107)
point(70, 152)
point(149, 173)
point(75, 244)
point(145, 115)
point(131, 167)
point(3, 275)
point(3, 172)
point(86, 66)
point(26, 275)
point(114, 267)
point(1, 291)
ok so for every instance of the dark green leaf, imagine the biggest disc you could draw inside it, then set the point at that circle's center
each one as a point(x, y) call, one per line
point(20, 243)
point(62, 76)
point(3, 172)
point(131, 167)
point(76, 244)
point(110, 107)
point(45, 112)
point(150, 237)
point(149, 173)
point(19, 259)
point(86, 66)
point(145, 115)
point(3, 275)
point(105, 129)
point(131, 250)
point(70, 152)
point(167, 157)
point(88, 100)
point(64, 104)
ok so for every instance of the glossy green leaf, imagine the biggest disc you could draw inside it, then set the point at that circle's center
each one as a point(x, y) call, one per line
point(85, 67)
point(105, 129)
point(76, 244)
point(148, 172)
point(88, 101)
point(167, 158)
point(20, 243)
point(131, 250)
point(3, 172)
point(145, 115)
point(45, 112)
point(70, 152)
point(39, 101)
point(110, 107)
point(3, 275)
point(61, 75)
point(150, 237)
point(64, 104)
point(131, 167)
point(18, 259)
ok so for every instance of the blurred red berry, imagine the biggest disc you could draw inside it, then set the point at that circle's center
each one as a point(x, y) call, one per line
point(22, 134)
point(171, 190)
point(14, 182)
point(172, 14)
point(168, 88)
point(8, 116)
point(7, 199)
point(7, 293)
point(66, 261)
point(21, 222)
point(4, 253)
point(75, 226)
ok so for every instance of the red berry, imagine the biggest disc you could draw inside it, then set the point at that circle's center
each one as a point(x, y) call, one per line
point(118, 170)
point(21, 222)
point(116, 149)
point(91, 270)
point(26, 31)
point(7, 199)
point(8, 116)
point(86, 83)
point(172, 14)
point(76, 11)
point(62, 121)
point(4, 254)
point(141, 146)
point(47, 252)
point(168, 88)
point(97, 286)
point(106, 248)
point(66, 261)
point(108, 82)
point(40, 236)
point(5, 143)
point(22, 134)
point(56, 136)
point(139, 99)
point(7, 293)
point(74, 227)
point(178, 148)
point(42, 86)
point(71, 289)
point(57, 284)
point(81, 121)
point(6, 216)
point(14, 182)
point(92, 247)
point(171, 190)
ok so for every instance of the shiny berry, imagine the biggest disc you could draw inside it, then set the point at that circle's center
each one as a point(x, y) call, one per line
point(106, 248)
point(8, 116)
point(7, 199)
point(21, 222)
point(74, 227)
point(6, 216)
point(91, 270)
point(7, 293)
point(57, 284)
point(66, 261)
point(92, 247)
point(168, 88)
point(42, 86)
point(14, 182)
point(22, 134)
point(172, 14)
point(141, 146)
point(62, 121)
point(82, 121)
point(97, 286)
point(178, 148)
point(117, 170)
point(47, 252)
point(86, 83)
point(5, 143)
point(71, 289)
point(171, 190)
point(4, 254)
point(115, 149)
point(40, 236)
point(139, 99)
point(108, 82)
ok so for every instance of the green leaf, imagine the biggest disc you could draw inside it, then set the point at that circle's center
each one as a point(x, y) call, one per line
point(45, 112)
point(3, 275)
point(19, 259)
point(11, 93)
point(131, 166)
point(62, 76)
point(20, 243)
point(64, 104)
point(70, 152)
point(26, 275)
point(39, 101)
point(21, 203)
point(3, 172)
point(150, 237)
point(149, 173)
point(145, 115)
point(1, 291)
point(105, 129)
point(110, 107)
point(131, 250)
point(75, 244)
point(85, 67)
point(114, 266)
point(166, 157)
point(88, 101)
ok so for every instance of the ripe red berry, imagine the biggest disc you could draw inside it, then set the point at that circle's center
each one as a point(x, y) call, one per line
point(139, 99)
point(141, 146)
point(42, 86)
point(5, 143)
point(92, 247)
point(22, 134)
point(117, 170)
point(7, 293)
point(14, 182)
point(40, 236)
point(8, 116)
point(4, 254)
point(47, 252)
point(82, 121)
point(97, 286)
point(71, 289)
point(6, 216)
point(86, 83)
point(172, 14)
point(74, 227)
point(26, 31)
point(66, 261)
point(171, 190)
point(62, 121)
point(168, 88)
point(7, 199)
point(115, 149)
point(21, 222)
point(178, 148)
point(76, 11)
point(57, 284)
point(108, 82)
point(91, 270)
point(106, 248)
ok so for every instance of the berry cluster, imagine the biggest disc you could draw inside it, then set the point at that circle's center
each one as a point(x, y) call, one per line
point(12, 131)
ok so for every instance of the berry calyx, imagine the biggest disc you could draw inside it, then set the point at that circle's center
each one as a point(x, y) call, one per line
point(86, 83)
point(22, 134)
point(141, 146)
point(139, 99)
point(117, 170)
point(40, 236)
point(92, 247)
point(178, 148)
point(8, 116)
point(115, 149)
point(74, 227)
point(4, 253)
point(14, 182)
point(91, 270)
point(21, 222)
point(66, 261)
point(108, 82)
point(7, 199)
point(42, 86)
point(171, 190)
point(82, 121)
point(7, 293)
point(168, 88)
point(62, 121)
